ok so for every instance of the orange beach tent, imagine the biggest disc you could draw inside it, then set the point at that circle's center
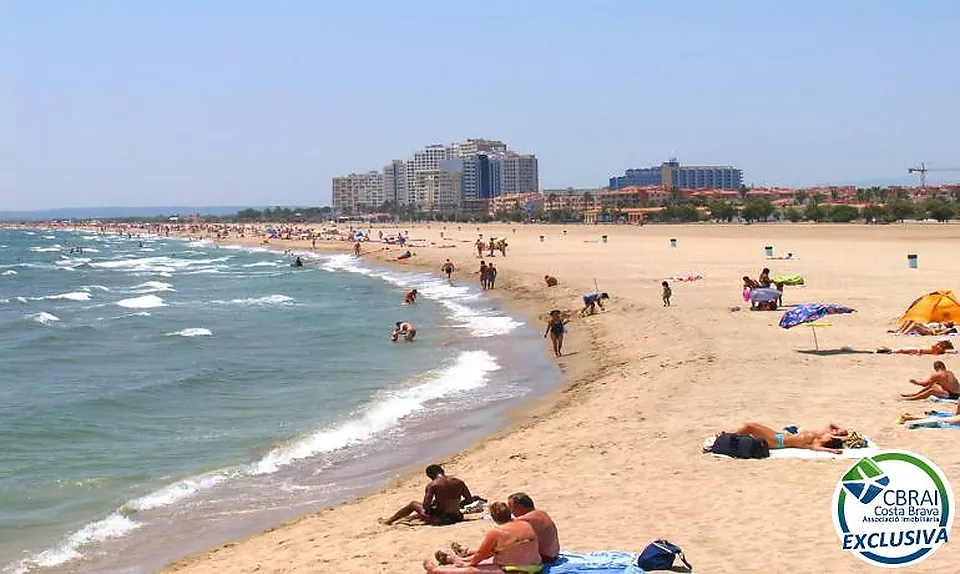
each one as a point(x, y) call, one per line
point(936, 307)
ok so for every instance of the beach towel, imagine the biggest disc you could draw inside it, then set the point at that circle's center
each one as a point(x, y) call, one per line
point(932, 423)
point(806, 453)
point(603, 562)
point(939, 400)
point(795, 279)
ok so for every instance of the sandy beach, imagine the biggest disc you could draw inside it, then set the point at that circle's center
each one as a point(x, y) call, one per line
point(615, 454)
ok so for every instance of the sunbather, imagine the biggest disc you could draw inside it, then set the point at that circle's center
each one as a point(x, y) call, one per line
point(955, 418)
point(521, 505)
point(829, 439)
point(441, 501)
point(911, 327)
point(510, 546)
point(942, 383)
point(938, 348)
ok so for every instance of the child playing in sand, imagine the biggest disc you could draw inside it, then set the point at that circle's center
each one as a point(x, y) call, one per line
point(667, 292)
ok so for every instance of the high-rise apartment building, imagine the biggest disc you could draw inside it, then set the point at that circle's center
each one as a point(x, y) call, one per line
point(443, 177)
point(395, 182)
point(357, 192)
point(671, 174)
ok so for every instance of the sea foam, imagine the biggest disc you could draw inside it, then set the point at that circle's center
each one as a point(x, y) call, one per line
point(43, 318)
point(144, 302)
point(192, 332)
point(479, 322)
point(470, 370)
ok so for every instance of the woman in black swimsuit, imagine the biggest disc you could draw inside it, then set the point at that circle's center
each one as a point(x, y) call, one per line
point(555, 329)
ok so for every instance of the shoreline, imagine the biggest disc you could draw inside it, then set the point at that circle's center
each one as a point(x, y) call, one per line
point(613, 454)
point(481, 428)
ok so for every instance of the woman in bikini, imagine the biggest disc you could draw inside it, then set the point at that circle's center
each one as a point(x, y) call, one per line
point(555, 329)
point(830, 439)
point(510, 546)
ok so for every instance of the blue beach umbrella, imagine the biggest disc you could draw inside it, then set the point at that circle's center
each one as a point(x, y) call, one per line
point(809, 314)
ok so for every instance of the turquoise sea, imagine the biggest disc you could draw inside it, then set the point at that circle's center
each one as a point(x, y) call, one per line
point(160, 396)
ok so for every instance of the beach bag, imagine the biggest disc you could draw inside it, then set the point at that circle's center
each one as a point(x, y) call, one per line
point(661, 555)
point(740, 446)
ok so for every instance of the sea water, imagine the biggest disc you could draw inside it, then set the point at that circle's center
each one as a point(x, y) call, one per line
point(160, 396)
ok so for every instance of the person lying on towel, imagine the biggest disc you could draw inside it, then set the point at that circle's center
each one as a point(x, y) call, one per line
point(955, 419)
point(510, 546)
point(830, 439)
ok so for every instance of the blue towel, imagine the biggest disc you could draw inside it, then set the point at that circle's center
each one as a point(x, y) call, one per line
point(604, 562)
point(939, 400)
point(937, 424)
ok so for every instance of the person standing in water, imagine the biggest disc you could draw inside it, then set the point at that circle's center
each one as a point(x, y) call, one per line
point(555, 328)
point(411, 297)
point(356, 249)
point(448, 268)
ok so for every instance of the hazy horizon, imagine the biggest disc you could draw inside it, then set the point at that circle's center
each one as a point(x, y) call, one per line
point(224, 103)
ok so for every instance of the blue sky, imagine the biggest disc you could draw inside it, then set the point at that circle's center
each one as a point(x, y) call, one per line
point(236, 102)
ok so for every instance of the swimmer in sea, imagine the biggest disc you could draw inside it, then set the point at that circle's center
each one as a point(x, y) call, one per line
point(411, 297)
point(404, 329)
point(298, 262)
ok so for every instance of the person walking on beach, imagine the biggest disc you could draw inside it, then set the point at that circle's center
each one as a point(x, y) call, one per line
point(441, 500)
point(555, 328)
point(667, 292)
point(492, 246)
point(942, 383)
point(491, 276)
point(479, 248)
point(448, 268)
point(483, 274)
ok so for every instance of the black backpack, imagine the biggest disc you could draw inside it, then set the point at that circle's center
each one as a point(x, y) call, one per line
point(740, 446)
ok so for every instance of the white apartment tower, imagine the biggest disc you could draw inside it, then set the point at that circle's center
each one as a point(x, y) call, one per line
point(423, 170)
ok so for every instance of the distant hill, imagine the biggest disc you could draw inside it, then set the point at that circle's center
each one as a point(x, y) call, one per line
point(113, 212)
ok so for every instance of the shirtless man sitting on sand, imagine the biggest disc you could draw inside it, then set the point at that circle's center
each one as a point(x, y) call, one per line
point(441, 500)
point(829, 439)
point(942, 383)
point(521, 506)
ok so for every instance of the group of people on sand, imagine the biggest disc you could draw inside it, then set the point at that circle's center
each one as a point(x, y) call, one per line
point(522, 540)
point(762, 282)
point(492, 245)
point(942, 384)
point(488, 275)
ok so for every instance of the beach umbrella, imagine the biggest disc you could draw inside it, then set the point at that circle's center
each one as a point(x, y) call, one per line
point(810, 314)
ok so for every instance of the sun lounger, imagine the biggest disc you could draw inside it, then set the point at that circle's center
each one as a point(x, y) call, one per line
point(806, 453)
point(603, 562)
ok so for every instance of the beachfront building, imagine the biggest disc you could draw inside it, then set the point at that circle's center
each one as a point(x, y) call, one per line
point(671, 174)
point(395, 182)
point(357, 192)
point(459, 177)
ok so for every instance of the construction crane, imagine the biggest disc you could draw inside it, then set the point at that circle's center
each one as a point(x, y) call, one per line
point(923, 169)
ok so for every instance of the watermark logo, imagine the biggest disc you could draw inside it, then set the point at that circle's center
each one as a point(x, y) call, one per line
point(893, 509)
